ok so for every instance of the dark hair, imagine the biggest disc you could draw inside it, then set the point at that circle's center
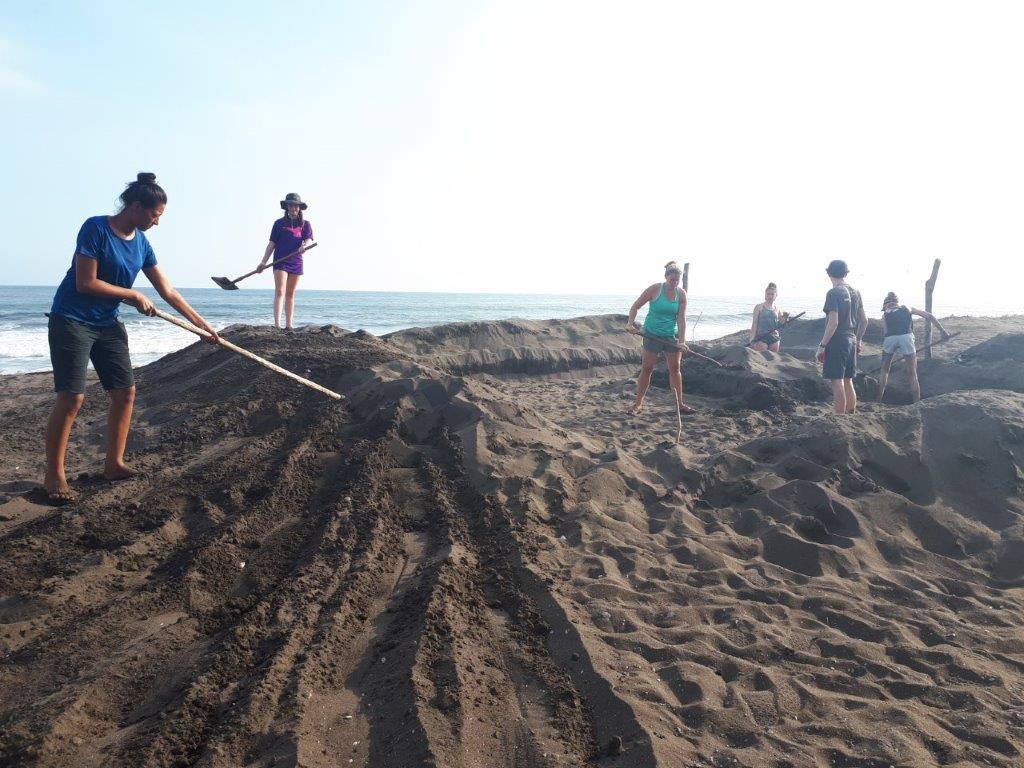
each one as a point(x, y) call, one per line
point(301, 219)
point(144, 191)
point(672, 267)
point(772, 285)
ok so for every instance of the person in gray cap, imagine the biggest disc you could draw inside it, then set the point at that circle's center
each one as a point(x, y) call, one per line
point(840, 343)
point(287, 235)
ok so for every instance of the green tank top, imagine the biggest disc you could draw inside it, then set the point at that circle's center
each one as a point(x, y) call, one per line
point(662, 315)
point(768, 321)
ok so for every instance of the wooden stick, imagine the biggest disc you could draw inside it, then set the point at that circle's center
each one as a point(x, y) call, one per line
point(670, 343)
point(693, 330)
point(246, 353)
point(686, 276)
point(765, 336)
point(929, 287)
point(922, 349)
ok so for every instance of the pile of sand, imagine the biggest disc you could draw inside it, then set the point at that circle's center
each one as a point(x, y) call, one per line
point(480, 559)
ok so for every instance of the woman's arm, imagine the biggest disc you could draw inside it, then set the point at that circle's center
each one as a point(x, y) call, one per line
point(643, 299)
point(86, 281)
point(171, 296)
point(266, 256)
point(931, 319)
point(753, 325)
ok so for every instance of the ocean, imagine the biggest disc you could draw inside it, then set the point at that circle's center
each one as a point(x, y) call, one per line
point(23, 344)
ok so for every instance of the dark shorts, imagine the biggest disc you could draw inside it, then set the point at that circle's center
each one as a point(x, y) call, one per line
point(656, 345)
point(74, 344)
point(840, 358)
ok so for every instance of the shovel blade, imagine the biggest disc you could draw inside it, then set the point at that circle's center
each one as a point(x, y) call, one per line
point(224, 283)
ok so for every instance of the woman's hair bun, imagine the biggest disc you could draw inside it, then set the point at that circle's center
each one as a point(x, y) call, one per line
point(671, 264)
point(146, 178)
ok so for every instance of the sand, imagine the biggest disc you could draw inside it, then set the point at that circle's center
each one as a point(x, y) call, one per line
point(480, 559)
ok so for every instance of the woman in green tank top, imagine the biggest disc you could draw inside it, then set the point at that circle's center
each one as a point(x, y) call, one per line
point(666, 316)
point(764, 330)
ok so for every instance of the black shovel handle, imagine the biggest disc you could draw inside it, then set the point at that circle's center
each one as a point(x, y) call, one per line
point(303, 249)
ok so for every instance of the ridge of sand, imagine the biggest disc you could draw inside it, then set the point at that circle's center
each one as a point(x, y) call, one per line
point(505, 569)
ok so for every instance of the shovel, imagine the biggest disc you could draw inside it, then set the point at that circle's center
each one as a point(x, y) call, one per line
point(229, 285)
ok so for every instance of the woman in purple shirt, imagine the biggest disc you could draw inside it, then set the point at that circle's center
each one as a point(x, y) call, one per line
point(288, 234)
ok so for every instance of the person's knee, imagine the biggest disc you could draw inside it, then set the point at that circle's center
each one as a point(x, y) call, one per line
point(124, 396)
point(70, 403)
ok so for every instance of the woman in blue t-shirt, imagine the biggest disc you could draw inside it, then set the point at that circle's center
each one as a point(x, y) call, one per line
point(287, 235)
point(84, 325)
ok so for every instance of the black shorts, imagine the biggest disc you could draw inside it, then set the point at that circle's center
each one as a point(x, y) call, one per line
point(74, 344)
point(840, 358)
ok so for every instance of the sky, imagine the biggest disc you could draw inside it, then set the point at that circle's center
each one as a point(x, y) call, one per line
point(522, 146)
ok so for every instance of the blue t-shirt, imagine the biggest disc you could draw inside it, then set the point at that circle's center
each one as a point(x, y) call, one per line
point(119, 263)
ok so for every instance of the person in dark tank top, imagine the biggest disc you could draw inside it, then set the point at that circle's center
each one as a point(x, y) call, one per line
point(764, 329)
point(899, 340)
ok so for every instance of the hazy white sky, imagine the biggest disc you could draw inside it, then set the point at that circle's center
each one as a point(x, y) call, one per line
point(530, 146)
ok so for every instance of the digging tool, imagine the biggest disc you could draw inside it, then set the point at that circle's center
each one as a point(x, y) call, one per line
point(230, 285)
point(766, 336)
point(922, 349)
point(670, 343)
point(245, 353)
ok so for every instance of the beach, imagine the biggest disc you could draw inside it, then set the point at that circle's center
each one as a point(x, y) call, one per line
point(479, 558)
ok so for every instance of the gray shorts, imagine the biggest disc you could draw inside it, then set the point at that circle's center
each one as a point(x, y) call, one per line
point(74, 344)
point(901, 345)
point(656, 345)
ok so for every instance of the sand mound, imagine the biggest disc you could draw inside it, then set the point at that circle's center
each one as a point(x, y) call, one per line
point(506, 569)
point(511, 347)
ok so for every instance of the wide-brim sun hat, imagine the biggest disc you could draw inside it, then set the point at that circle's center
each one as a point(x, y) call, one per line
point(293, 199)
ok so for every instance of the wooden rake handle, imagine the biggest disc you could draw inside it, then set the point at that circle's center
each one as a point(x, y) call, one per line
point(671, 343)
point(246, 353)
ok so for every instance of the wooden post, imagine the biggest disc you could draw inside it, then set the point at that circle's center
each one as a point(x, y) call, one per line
point(929, 288)
point(686, 276)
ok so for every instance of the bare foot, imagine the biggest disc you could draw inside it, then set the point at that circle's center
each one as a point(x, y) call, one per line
point(58, 492)
point(119, 471)
point(635, 410)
